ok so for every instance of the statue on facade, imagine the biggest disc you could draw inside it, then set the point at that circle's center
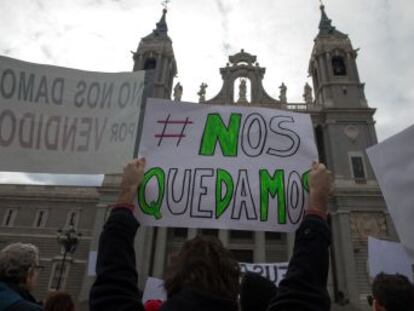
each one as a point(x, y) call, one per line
point(178, 92)
point(202, 92)
point(242, 91)
point(282, 94)
point(307, 94)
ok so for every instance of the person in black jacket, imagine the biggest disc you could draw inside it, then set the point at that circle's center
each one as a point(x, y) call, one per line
point(304, 287)
point(19, 267)
point(305, 284)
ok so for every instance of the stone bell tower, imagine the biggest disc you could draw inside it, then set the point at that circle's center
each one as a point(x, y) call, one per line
point(344, 128)
point(155, 52)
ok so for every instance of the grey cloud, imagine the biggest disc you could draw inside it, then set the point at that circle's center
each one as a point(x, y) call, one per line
point(224, 13)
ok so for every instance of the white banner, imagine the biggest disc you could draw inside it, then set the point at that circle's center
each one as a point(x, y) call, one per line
point(275, 272)
point(59, 120)
point(212, 166)
point(388, 257)
point(393, 164)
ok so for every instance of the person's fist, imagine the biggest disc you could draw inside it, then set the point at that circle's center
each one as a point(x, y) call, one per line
point(131, 179)
point(320, 180)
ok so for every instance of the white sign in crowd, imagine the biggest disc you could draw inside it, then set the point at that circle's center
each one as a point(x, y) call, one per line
point(60, 120)
point(213, 166)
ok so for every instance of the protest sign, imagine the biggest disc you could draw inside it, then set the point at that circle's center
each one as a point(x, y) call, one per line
point(388, 257)
point(275, 272)
point(393, 164)
point(60, 120)
point(211, 166)
point(154, 290)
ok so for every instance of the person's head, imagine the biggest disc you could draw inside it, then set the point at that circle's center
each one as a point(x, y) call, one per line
point(19, 264)
point(59, 301)
point(392, 292)
point(204, 264)
point(256, 292)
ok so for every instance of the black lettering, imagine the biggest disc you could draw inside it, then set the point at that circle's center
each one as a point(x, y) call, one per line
point(57, 90)
point(28, 141)
point(79, 95)
point(178, 205)
point(7, 129)
point(85, 133)
point(69, 133)
point(99, 133)
point(254, 125)
point(42, 91)
point(7, 94)
point(26, 87)
point(290, 136)
point(124, 94)
point(107, 95)
point(93, 94)
point(51, 142)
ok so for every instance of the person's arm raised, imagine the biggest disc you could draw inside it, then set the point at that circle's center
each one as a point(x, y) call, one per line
point(116, 284)
point(304, 287)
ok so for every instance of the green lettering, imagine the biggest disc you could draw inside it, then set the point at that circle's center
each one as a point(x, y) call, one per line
point(222, 202)
point(305, 180)
point(273, 186)
point(153, 208)
point(216, 131)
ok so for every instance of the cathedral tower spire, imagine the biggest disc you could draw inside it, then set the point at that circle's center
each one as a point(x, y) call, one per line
point(155, 52)
point(333, 68)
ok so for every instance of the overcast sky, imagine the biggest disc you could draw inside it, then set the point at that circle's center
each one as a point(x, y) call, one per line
point(98, 35)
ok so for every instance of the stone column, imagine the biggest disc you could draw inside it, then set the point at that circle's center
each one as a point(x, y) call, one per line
point(290, 243)
point(344, 255)
point(160, 252)
point(224, 237)
point(259, 254)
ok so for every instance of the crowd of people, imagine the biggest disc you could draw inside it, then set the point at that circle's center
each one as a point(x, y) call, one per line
point(203, 275)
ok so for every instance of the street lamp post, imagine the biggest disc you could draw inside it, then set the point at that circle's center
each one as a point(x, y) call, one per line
point(69, 240)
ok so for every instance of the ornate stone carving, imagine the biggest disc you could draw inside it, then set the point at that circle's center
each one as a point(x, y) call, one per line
point(242, 92)
point(202, 92)
point(366, 224)
point(178, 92)
point(282, 94)
point(307, 94)
point(351, 132)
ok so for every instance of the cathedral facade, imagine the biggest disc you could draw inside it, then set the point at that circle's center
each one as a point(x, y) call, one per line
point(344, 128)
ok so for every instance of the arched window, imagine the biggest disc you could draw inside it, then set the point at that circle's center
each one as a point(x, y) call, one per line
point(338, 66)
point(150, 63)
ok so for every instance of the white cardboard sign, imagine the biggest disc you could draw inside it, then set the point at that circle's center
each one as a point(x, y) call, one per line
point(213, 166)
point(393, 164)
point(60, 120)
point(388, 257)
point(275, 272)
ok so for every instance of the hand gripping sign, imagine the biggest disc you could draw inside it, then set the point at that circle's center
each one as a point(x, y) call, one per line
point(226, 167)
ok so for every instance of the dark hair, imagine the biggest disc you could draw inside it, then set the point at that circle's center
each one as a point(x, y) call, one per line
point(394, 292)
point(59, 301)
point(204, 264)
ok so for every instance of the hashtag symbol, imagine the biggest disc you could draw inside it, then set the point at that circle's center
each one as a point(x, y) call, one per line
point(166, 122)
